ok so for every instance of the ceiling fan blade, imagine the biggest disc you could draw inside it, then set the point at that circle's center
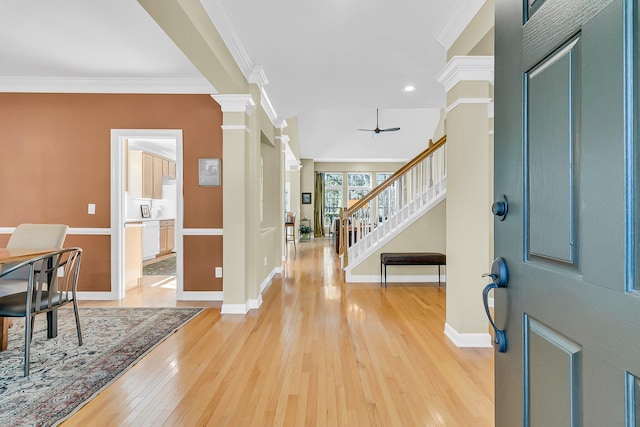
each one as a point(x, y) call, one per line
point(389, 130)
point(368, 130)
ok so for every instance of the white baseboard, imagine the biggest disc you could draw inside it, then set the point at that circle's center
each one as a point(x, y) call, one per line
point(234, 309)
point(254, 304)
point(200, 296)
point(267, 280)
point(395, 278)
point(467, 340)
point(95, 296)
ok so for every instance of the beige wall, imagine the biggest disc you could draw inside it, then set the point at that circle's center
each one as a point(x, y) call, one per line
point(270, 245)
point(427, 234)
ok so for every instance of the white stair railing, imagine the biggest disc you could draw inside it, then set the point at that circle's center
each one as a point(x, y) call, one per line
point(411, 191)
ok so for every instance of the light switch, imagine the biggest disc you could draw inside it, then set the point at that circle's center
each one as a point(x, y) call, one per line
point(92, 209)
point(218, 272)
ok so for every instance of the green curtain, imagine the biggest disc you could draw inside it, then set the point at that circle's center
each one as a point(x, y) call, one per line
point(318, 206)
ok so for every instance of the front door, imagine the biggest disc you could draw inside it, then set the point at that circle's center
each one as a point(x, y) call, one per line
point(566, 158)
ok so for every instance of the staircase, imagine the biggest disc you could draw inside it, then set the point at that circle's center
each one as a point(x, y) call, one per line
point(390, 207)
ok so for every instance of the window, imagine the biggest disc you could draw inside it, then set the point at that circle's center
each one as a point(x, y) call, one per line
point(332, 197)
point(359, 184)
point(384, 198)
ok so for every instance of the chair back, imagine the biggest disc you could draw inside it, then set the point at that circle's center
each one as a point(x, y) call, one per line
point(291, 217)
point(52, 282)
point(35, 236)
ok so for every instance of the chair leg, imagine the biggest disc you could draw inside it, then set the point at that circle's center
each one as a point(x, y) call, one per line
point(28, 332)
point(78, 329)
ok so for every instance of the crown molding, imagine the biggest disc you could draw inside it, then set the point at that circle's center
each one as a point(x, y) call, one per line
point(466, 68)
point(227, 30)
point(266, 105)
point(144, 85)
point(461, 16)
point(259, 77)
point(235, 103)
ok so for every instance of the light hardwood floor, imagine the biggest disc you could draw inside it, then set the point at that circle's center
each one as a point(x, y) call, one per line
point(318, 352)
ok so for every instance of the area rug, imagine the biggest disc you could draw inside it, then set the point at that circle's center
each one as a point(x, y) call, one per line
point(63, 375)
point(165, 267)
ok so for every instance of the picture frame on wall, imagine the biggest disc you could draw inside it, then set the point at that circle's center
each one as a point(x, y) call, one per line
point(144, 209)
point(306, 198)
point(209, 172)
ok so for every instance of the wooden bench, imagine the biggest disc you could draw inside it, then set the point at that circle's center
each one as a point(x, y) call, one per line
point(410, 258)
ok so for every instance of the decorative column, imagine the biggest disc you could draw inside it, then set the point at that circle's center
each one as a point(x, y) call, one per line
point(468, 81)
point(237, 140)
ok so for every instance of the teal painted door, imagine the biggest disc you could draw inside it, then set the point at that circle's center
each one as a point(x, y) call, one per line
point(566, 157)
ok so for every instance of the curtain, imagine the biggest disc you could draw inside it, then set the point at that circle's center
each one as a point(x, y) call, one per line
point(318, 207)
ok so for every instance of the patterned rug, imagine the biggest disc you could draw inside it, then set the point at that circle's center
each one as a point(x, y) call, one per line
point(63, 375)
point(166, 267)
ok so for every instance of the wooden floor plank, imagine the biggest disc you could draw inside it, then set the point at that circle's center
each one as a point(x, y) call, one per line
point(318, 352)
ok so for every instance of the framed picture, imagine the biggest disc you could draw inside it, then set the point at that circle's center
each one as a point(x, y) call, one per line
point(306, 198)
point(146, 213)
point(209, 172)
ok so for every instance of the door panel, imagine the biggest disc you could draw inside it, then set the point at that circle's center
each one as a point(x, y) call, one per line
point(551, 111)
point(553, 372)
point(565, 134)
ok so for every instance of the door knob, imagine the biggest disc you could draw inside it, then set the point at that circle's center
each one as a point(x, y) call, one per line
point(499, 279)
point(500, 207)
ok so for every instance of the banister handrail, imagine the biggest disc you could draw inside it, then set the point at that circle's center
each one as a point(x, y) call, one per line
point(362, 228)
point(433, 146)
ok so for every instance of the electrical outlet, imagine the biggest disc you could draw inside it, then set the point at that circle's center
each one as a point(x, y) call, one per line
point(265, 261)
point(218, 272)
point(91, 209)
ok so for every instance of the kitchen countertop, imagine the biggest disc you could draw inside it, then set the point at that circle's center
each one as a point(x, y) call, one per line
point(129, 220)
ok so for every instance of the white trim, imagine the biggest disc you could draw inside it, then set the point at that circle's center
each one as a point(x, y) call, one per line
point(461, 101)
point(264, 232)
point(258, 77)
point(235, 102)
point(461, 15)
point(95, 296)
point(76, 231)
point(227, 30)
point(396, 278)
point(267, 106)
point(267, 280)
point(146, 85)
point(482, 340)
point(490, 110)
point(466, 68)
point(90, 231)
point(234, 309)
point(117, 198)
point(278, 270)
point(200, 296)
point(254, 304)
point(202, 232)
point(236, 127)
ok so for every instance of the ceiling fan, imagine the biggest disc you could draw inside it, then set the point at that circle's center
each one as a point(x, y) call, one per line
point(377, 130)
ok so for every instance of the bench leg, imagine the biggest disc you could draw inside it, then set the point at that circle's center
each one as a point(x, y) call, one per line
point(385, 275)
point(438, 275)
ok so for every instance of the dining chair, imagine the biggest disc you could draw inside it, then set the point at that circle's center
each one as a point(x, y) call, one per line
point(32, 236)
point(52, 282)
point(290, 229)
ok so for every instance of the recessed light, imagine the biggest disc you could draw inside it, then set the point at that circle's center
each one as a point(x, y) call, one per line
point(409, 88)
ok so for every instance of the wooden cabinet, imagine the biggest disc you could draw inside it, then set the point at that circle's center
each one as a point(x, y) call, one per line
point(169, 168)
point(167, 236)
point(145, 172)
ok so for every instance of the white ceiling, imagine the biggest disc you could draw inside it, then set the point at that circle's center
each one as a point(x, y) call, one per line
point(331, 63)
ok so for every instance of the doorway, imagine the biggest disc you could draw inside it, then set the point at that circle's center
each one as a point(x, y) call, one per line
point(149, 212)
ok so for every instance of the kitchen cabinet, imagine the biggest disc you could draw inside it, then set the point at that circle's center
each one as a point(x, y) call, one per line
point(133, 254)
point(144, 175)
point(169, 168)
point(167, 236)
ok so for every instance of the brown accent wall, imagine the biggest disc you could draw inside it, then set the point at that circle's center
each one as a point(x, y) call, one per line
point(55, 154)
point(205, 253)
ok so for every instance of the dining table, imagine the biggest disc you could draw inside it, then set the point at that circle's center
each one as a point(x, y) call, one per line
point(11, 255)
